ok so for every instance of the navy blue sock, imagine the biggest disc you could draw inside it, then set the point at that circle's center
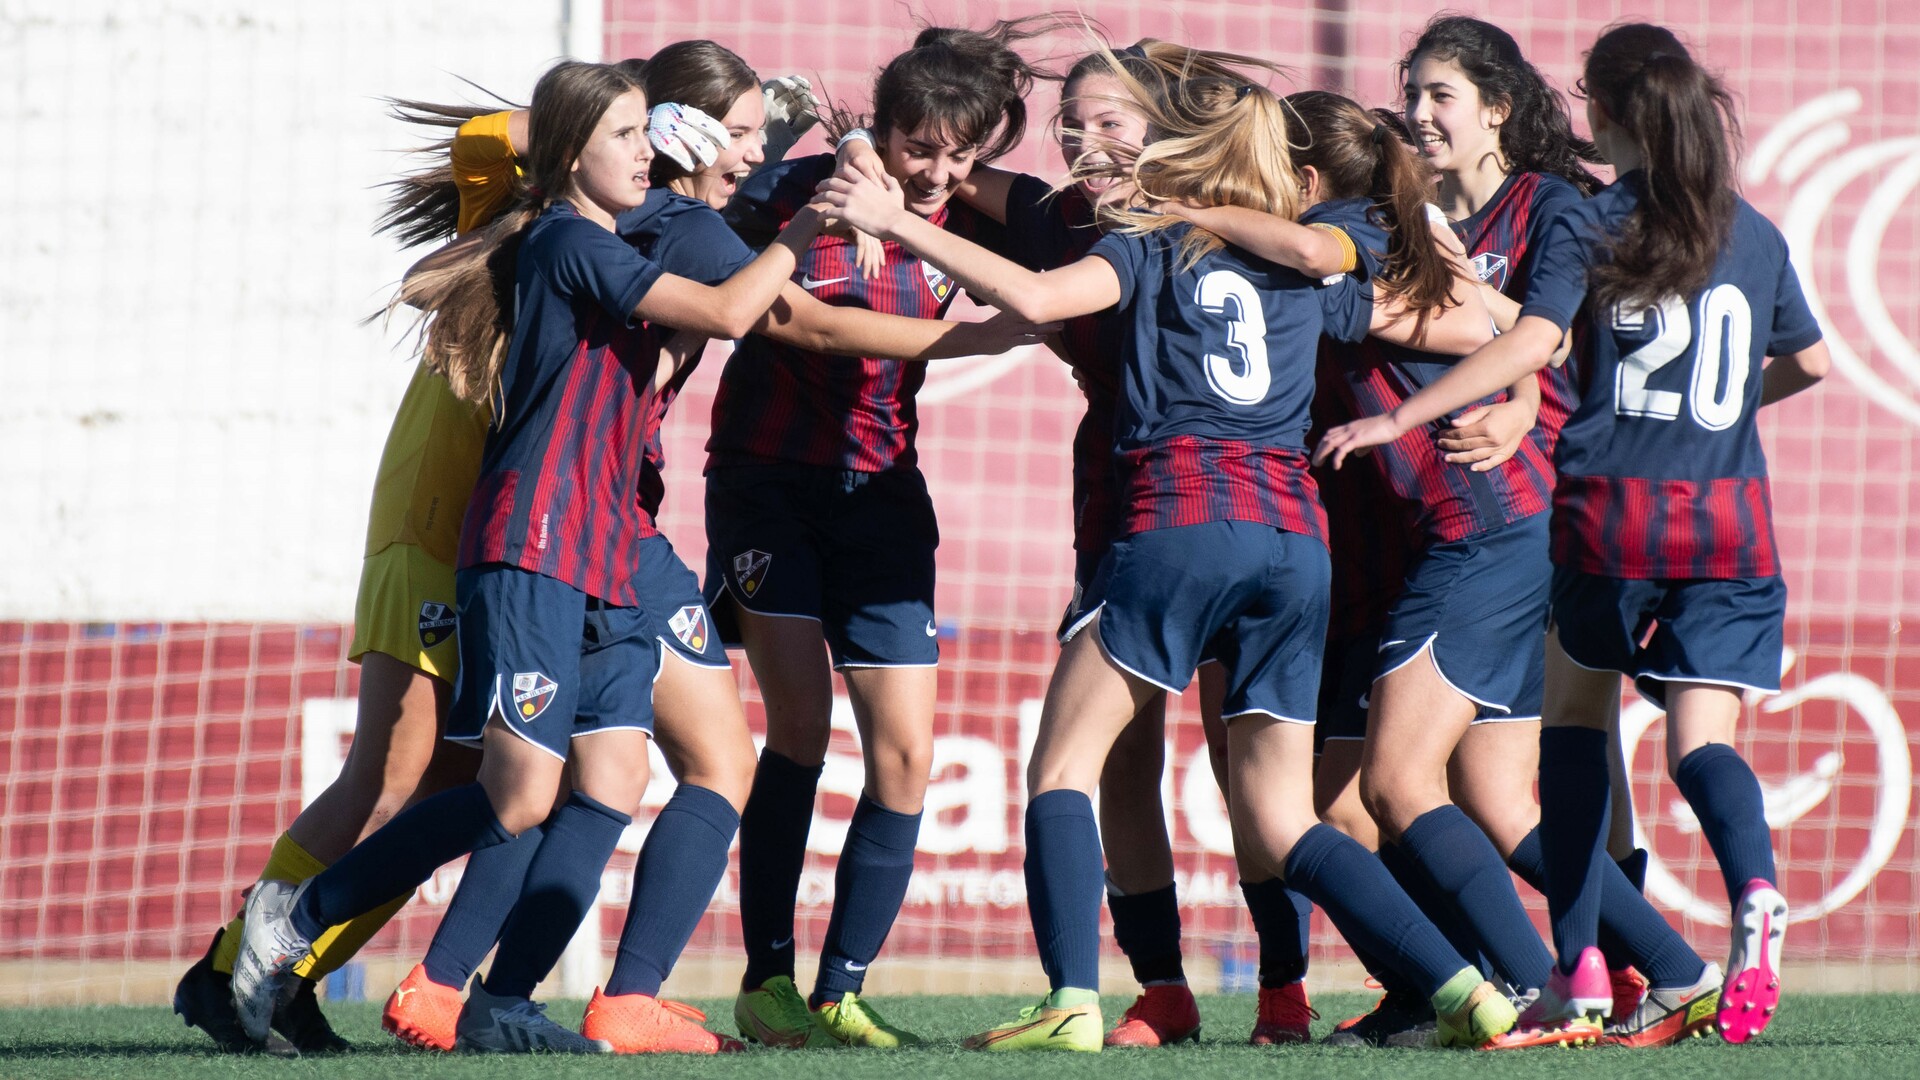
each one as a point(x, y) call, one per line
point(1725, 796)
point(1631, 931)
point(1466, 869)
point(1370, 911)
point(869, 886)
point(680, 866)
point(1282, 920)
point(479, 909)
point(561, 884)
point(773, 849)
point(1146, 926)
point(1634, 866)
point(399, 856)
point(1575, 798)
point(1435, 905)
point(1064, 870)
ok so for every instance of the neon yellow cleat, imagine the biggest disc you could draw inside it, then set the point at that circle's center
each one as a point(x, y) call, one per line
point(852, 1022)
point(776, 1015)
point(1485, 1016)
point(1064, 1020)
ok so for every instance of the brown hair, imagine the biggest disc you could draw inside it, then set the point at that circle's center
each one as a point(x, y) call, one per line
point(466, 303)
point(1682, 119)
point(1359, 156)
point(703, 74)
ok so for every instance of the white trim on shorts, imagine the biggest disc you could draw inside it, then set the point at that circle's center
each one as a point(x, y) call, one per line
point(1079, 624)
point(1427, 647)
point(614, 727)
point(863, 665)
point(1101, 643)
point(1265, 712)
point(669, 649)
point(1695, 678)
point(493, 710)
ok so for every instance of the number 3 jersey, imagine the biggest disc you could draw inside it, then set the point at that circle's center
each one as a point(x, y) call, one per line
point(1216, 378)
point(1661, 473)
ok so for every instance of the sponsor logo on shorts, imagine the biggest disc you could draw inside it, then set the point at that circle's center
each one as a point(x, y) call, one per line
point(1491, 268)
point(689, 624)
point(532, 693)
point(436, 623)
point(750, 570)
point(937, 283)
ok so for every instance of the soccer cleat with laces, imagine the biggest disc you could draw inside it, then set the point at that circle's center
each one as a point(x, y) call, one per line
point(1477, 1024)
point(1401, 1018)
point(640, 1024)
point(1163, 1014)
point(1284, 1016)
point(1665, 1017)
point(1629, 989)
point(774, 1014)
point(1752, 990)
point(269, 947)
point(491, 1024)
point(422, 1013)
point(301, 1022)
point(1064, 1020)
point(204, 999)
point(852, 1022)
point(1567, 1011)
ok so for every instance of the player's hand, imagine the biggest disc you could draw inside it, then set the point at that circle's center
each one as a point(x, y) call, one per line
point(690, 137)
point(869, 254)
point(1356, 438)
point(1004, 332)
point(1485, 436)
point(872, 208)
point(792, 111)
point(1443, 234)
point(857, 158)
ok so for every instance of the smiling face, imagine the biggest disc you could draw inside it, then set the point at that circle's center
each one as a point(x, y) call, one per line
point(1454, 129)
point(611, 171)
point(1094, 120)
point(928, 163)
point(716, 183)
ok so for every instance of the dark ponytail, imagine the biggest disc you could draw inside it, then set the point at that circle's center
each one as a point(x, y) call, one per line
point(1537, 135)
point(1362, 154)
point(1682, 119)
point(424, 206)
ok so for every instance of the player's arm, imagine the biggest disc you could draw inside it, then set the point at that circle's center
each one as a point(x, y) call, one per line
point(798, 319)
point(1790, 373)
point(1082, 288)
point(1317, 251)
point(1455, 328)
point(1499, 364)
point(680, 349)
point(730, 309)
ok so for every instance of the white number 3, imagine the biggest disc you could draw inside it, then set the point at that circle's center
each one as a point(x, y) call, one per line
point(1726, 329)
point(1245, 379)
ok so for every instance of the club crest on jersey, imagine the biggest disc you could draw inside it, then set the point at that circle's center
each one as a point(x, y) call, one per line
point(532, 693)
point(750, 570)
point(689, 624)
point(937, 283)
point(1491, 269)
point(436, 623)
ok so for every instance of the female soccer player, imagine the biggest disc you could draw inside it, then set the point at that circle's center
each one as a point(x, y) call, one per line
point(1687, 290)
point(1222, 541)
point(554, 642)
point(819, 525)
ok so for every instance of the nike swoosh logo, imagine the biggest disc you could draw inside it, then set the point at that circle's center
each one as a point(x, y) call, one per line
point(931, 632)
point(782, 943)
point(1071, 1017)
point(810, 283)
point(851, 966)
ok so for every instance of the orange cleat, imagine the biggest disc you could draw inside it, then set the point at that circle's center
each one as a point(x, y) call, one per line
point(422, 1013)
point(1284, 1016)
point(1161, 1016)
point(639, 1024)
point(1629, 988)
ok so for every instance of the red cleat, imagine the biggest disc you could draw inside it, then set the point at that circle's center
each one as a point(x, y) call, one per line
point(639, 1024)
point(1284, 1016)
point(1629, 988)
point(422, 1013)
point(1161, 1016)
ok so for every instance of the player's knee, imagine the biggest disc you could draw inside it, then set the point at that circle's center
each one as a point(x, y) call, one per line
point(1394, 801)
point(899, 772)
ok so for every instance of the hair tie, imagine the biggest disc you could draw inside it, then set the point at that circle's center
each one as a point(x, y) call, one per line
point(1134, 51)
point(536, 192)
point(1380, 134)
point(1245, 89)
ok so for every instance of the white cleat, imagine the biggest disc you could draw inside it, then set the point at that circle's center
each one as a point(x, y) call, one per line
point(269, 947)
point(492, 1024)
point(1752, 990)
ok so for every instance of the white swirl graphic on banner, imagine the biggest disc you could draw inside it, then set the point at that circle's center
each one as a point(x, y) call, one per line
point(1787, 802)
point(1811, 136)
point(951, 379)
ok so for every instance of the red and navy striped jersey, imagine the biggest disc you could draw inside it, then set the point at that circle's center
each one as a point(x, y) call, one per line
point(1661, 470)
point(561, 465)
point(1047, 230)
point(1453, 502)
point(1500, 238)
point(1371, 533)
point(690, 239)
point(778, 403)
point(1216, 379)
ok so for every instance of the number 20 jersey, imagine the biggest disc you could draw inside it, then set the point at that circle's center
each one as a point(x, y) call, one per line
point(1216, 378)
point(1661, 473)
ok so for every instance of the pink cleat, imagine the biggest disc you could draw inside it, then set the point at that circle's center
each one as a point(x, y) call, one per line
point(1752, 990)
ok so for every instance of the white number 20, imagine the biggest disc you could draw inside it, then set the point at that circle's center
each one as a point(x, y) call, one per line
point(1726, 328)
point(1245, 379)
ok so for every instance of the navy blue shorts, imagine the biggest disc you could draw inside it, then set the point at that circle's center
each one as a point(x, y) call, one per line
point(852, 551)
point(1086, 566)
point(1481, 605)
point(547, 660)
point(1251, 595)
point(1346, 678)
point(676, 613)
point(1728, 631)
